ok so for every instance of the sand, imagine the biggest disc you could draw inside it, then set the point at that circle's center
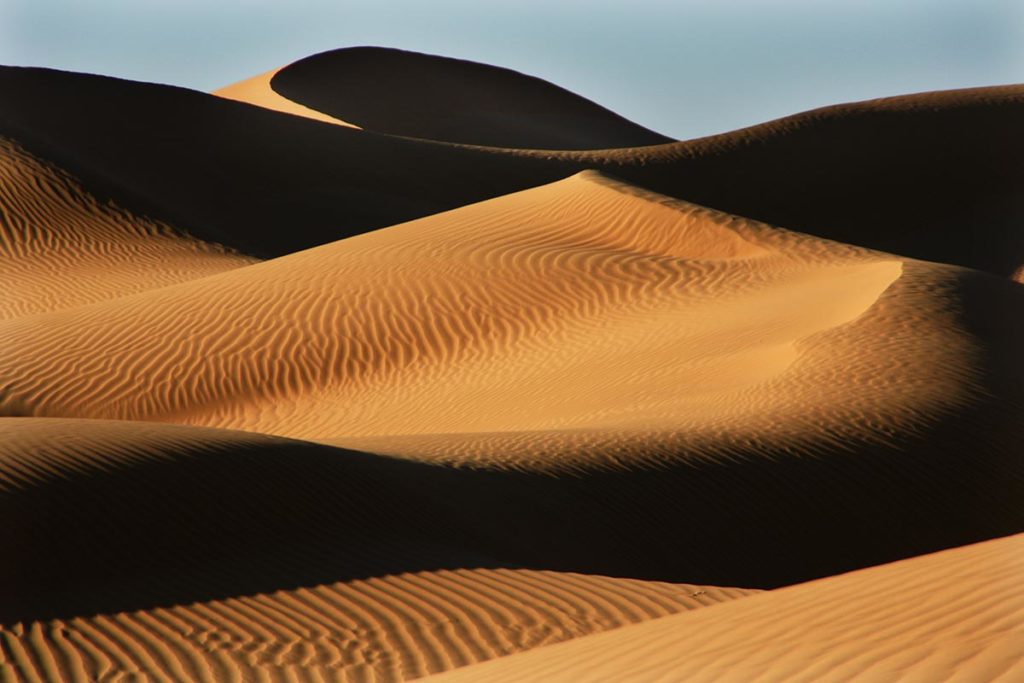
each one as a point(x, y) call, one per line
point(280, 400)
point(425, 96)
point(61, 247)
point(955, 615)
point(364, 591)
point(257, 90)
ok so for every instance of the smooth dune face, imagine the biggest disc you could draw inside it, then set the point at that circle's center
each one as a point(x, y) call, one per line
point(424, 96)
point(954, 615)
point(61, 247)
point(483, 367)
point(257, 90)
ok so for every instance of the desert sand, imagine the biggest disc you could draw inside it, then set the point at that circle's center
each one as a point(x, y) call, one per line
point(380, 365)
point(954, 615)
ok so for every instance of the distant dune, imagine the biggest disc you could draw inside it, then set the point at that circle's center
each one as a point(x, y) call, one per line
point(424, 96)
point(257, 90)
point(381, 364)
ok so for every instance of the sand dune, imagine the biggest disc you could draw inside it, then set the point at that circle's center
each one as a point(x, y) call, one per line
point(389, 628)
point(634, 340)
point(956, 615)
point(473, 305)
point(514, 371)
point(425, 96)
point(257, 90)
point(262, 583)
point(948, 193)
point(61, 247)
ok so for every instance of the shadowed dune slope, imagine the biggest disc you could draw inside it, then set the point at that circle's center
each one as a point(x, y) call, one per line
point(439, 98)
point(60, 247)
point(609, 367)
point(956, 615)
point(194, 554)
point(933, 176)
point(261, 181)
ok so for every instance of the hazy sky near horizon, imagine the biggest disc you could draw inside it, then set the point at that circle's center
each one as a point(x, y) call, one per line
point(685, 68)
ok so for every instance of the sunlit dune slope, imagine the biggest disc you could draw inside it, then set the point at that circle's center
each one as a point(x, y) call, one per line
point(593, 353)
point(425, 96)
point(61, 247)
point(934, 176)
point(579, 302)
point(194, 554)
point(952, 616)
point(257, 90)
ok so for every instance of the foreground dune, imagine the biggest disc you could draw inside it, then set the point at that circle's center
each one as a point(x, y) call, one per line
point(475, 309)
point(264, 583)
point(956, 615)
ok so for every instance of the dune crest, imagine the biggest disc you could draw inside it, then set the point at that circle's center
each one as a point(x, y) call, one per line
point(257, 90)
point(452, 100)
point(473, 309)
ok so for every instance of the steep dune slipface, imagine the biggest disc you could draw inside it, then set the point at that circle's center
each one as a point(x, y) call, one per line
point(257, 90)
point(61, 247)
point(438, 98)
point(955, 615)
point(185, 554)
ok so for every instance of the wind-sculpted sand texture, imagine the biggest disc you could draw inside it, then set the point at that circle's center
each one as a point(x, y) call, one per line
point(554, 300)
point(323, 548)
point(60, 247)
point(479, 398)
point(593, 328)
point(957, 615)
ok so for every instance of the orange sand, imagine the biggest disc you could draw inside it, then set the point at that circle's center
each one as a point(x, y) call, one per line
point(497, 369)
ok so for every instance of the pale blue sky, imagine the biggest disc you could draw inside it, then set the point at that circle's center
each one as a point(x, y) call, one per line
point(685, 68)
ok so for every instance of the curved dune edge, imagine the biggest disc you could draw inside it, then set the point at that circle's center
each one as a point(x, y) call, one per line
point(111, 494)
point(429, 97)
point(297, 184)
point(954, 615)
point(61, 247)
point(257, 91)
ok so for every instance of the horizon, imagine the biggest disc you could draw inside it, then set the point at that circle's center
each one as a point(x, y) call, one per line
point(685, 70)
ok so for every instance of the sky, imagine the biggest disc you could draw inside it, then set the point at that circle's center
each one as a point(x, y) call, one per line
point(685, 68)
